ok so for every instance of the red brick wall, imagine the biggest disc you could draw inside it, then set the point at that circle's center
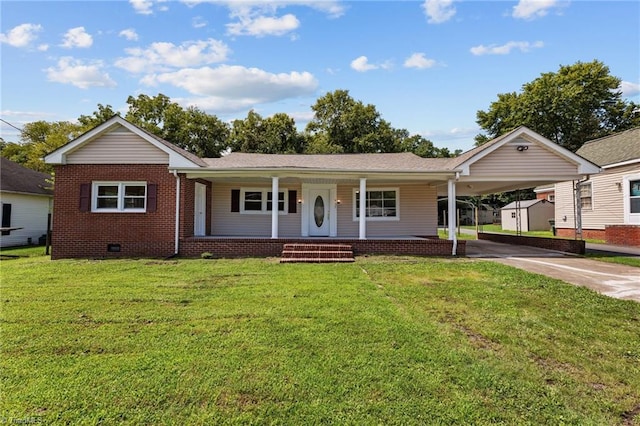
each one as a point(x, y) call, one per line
point(86, 234)
point(623, 235)
point(590, 234)
point(250, 247)
point(569, 246)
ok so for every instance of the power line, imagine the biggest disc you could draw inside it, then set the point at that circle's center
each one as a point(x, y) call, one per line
point(11, 125)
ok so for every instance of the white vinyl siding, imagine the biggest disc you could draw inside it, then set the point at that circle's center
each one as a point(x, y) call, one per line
point(28, 212)
point(417, 202)
point(118, 147)
point(536, 160)
point(608, 200)
point(226, 223)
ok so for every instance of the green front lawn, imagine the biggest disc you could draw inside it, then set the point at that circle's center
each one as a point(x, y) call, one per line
point(380, 341)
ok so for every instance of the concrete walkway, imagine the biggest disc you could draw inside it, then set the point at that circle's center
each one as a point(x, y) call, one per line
point(614, 280)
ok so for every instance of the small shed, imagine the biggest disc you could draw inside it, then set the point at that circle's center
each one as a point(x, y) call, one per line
point(533, 215)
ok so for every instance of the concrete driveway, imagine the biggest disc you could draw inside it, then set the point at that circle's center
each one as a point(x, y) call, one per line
point(614, 280)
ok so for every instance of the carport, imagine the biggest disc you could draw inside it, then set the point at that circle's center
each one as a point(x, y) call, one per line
point(517, 160)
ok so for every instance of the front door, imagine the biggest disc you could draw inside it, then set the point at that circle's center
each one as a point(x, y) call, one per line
point(319, 208)
point(199, 220)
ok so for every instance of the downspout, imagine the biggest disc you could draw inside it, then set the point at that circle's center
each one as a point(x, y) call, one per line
point(177, 232)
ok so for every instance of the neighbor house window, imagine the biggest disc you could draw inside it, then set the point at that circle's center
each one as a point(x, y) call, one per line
point(381, 204)
point(119, 197)
point(513, 215)
point(634, 196)
point(256, 201)
point(586, 196)
point(551, 198)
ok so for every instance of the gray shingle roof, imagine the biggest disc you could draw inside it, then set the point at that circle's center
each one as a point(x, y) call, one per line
point(398, 162)
point(16, 178)
point(618, 148)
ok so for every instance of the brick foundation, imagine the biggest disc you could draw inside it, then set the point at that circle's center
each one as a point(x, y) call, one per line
point(569, 246)
point(622, 235)
point(256, 247)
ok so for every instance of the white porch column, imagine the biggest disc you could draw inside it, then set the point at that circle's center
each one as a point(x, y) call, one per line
point(451, 199)
point(363, 208)
point(274, 206)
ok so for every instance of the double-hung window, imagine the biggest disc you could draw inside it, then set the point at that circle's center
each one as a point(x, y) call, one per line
point(586, 196)
point(119, 197)
point(634, 196)
point(381, 204)
point(260, 201)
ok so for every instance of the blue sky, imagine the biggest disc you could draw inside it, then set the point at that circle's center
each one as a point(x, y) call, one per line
point(427, 66)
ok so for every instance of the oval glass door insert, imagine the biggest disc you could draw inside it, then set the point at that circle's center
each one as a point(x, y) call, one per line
point(318, 211)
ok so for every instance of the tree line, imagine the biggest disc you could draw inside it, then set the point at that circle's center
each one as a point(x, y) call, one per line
point(578, 103)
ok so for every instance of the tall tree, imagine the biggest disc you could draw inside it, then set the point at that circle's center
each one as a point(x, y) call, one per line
point(272, 135)
point(39, 138)
point(578, 103)
point(192, 129)
point(103, 113)
point(342, 124)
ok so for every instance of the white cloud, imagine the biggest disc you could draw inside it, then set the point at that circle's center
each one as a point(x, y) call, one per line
point(438, 11)
point(129, 34)
point(264, 25)
point(531, 9)
point(77, 37)
point(629, 89)
point(333, 8)
point(21, 36)
point(418, 60)
point(75, 72)
point(198, 22)
point(142, 7)
point(235, 87)
point(523, 46)
point(43, 47)
point(162, 56)
point(361, 64)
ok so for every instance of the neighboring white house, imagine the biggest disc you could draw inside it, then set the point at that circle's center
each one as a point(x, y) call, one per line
point(533, 215)
point(610, 201)
point(26, 199)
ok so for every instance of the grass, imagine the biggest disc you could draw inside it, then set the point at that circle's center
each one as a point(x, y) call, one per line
point(622, 260)
point(544, 234)
point(381, 341)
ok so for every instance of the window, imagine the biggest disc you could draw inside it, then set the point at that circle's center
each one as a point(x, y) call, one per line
point(259, 201)
point(634, 196)
point(513, 215)
point(551, 198)
point(381, 204)
point(119, 197)
point(586, 197)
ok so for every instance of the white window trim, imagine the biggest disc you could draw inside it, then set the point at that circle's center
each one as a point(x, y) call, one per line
point(264, 192)
point(629, 218)
point(120, 185)
point(378, 218)
point(590, 184)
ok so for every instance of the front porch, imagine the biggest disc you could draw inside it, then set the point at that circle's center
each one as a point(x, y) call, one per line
point(228, 247)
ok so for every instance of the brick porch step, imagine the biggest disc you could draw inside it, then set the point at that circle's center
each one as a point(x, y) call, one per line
point(316, 253)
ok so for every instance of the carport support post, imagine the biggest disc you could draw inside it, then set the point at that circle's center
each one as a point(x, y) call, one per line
point(275, 202)
point(451, 194)
point(363, 209)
